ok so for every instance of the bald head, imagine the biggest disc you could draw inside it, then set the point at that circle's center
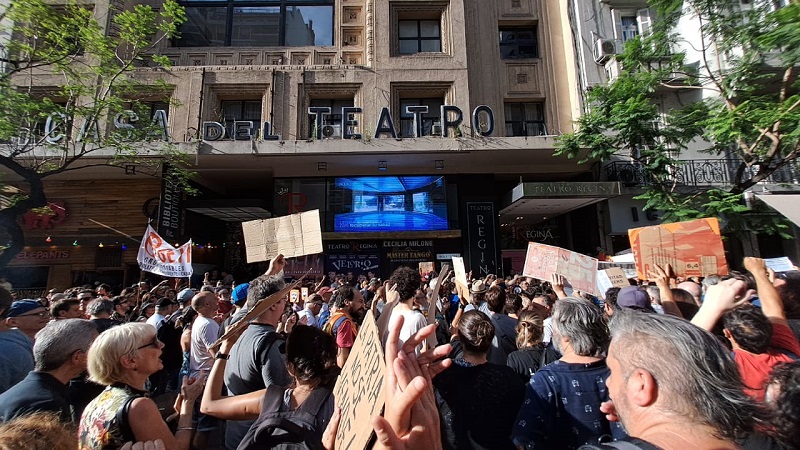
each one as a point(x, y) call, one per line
point(693, 288)
point(205, 303)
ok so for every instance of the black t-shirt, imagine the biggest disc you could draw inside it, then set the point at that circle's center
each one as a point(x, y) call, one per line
point(478, 406)
point(527, 361)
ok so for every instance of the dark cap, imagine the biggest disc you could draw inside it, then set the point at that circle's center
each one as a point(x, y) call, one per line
point(633, 297)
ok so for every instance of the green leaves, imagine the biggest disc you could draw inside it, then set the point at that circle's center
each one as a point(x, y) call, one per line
point(747, 106)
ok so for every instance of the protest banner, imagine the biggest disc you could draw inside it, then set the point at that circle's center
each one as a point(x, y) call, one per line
point(159, 257)
point(293, 235)
point(629, 269)
point(460, 271)
point(359, 389)
point(692, 249)
point(542, 261)
point(608, 278)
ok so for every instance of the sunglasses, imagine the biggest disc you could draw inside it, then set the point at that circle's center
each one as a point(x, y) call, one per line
point(154, 343)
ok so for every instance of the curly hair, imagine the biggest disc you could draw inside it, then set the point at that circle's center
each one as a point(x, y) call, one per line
point(407, 281)
point(750, 328)
point(785, 380)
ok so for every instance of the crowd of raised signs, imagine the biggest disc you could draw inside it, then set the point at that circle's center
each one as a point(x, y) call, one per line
point(496, 363)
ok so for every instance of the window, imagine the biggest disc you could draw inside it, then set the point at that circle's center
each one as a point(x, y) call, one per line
point(525, 119)
point(518, 43)
point(419, 36)
point(240, 110)
point(332, 123)
point(261, 23)
point(632, 23)
point(431, 120)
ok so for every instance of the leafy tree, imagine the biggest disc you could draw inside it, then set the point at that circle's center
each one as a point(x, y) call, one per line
point(748, 107)
point(89, 112)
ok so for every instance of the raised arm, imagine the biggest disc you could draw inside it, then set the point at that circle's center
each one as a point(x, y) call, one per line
point(237, 407)
point(771, 304)
point(719, 299)
point(662, 279)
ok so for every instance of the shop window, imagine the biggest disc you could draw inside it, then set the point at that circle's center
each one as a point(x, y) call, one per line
point(238, 111)
point(419, 36)
point(518, 42)
point(265, 23)
point(525, 119)
point(431, 120)
point(331, 126)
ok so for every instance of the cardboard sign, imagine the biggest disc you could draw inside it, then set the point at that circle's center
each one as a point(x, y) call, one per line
point(692, 249)
point(608, 278)
point(304, 293)
point(294, 296)
point(158, 257)
point(783, 264)
point(629, 269)
point(426, 268)
point(294, 235)
point(460, 271)
point(542, 261)
point(359, 389)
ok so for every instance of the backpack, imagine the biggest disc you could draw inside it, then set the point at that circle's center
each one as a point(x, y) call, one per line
point(171, 354)
point(288, 430)
point(334, 322)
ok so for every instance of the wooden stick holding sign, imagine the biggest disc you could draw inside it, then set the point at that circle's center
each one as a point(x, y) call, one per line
point(256, 310)
point(433, 298)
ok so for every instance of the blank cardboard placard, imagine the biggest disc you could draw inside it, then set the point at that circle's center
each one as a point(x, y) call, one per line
point(692, 248)
point(460, 270)
point(293, 235)
point(359, 389)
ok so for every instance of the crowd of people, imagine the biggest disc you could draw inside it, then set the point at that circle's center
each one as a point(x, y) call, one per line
point(493, 363)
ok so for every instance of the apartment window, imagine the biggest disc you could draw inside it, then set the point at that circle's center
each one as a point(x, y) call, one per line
point(264, 23)
point(518, 42)
point(431, 121)
point(525, 119)
point(419, 36)
point(238, 111)
point(331, 123)
point(632, 23)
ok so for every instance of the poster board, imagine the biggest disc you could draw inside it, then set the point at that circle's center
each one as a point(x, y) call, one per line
point(359, 389)
point(693, 248)
point(782, 264)
point(304, 293)
point(611, 277)
point(294, 235)
point(460, 271)
point(542, 261)
point(426, 268)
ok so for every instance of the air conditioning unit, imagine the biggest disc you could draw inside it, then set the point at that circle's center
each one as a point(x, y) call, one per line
point(604, 49)
point(331, 131)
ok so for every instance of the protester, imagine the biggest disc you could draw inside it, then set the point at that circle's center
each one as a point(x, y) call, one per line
point(312, 307)
point(122, 308)
point(674, 386)
point(477, 301)
point(533, 354)
point(341, 324)
point(201, 357)
point(164, 308)
point(760, 337)
point(16, 348)
point(100, 312)
point(477, 400)
point(122, 358)
point(311, 361)
point(60, 354)
point(405, 283)
point(783, 399)
point(258, 361)
point(68, 308)
point(505, 333)
point(37, 431)
point(562, 401)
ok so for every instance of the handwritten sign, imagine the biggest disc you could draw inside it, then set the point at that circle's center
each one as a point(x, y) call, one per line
point(460, 270)
point(426, 268)
point(159, 257)
point(783, 264)
point(608, 278)
point(294, 295)
point(304, 292)
point(359, 389)
point(542, 261)
point(293, 235)
point(692, 248)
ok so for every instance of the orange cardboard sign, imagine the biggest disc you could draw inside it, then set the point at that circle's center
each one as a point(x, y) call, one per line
point(692, 249)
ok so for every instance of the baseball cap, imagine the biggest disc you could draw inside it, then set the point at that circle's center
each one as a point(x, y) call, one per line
point(185, 295)
point(633, 297)
point(21, 307)
point(239, 294)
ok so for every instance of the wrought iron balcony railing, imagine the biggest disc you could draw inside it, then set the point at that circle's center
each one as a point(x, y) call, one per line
point(695, 172)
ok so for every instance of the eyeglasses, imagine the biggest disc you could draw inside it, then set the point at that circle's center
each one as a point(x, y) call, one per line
point(40, 314)
point(151, 344)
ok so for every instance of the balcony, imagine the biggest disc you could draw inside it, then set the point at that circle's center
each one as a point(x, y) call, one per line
point(694, 172)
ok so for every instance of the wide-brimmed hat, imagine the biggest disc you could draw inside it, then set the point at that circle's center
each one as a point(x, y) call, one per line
point(478, 287)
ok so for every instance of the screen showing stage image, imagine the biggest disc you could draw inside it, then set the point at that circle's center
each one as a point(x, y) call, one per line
point(416, 203)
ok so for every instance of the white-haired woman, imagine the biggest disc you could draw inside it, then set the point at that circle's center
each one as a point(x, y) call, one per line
point(122, 358)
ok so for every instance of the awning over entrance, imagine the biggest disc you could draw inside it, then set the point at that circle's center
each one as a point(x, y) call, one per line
point(786, 204)
point(234, 210)
point(530, 203)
